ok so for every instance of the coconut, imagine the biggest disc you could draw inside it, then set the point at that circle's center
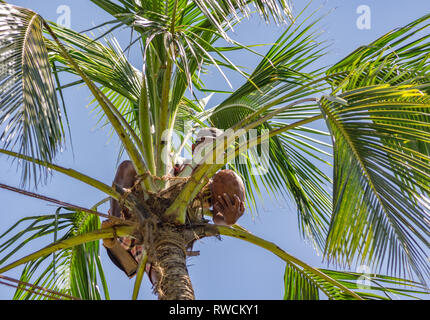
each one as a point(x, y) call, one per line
point(229, 182)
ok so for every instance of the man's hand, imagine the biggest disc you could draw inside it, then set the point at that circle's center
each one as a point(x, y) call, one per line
point(227, 211)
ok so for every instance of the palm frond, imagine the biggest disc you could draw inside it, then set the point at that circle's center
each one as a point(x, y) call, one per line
point(284, 68)
point(383, 122)
point(111, 7)
point(66, 171)
point(398, 57)
point(379, 287)
point(124, 132)
point(301, 284)
point(378, 178)
point(298, 287)
point(30, 118)
point(218, 12)
point(75, 271)
point(58, 202)
point(34, 289)
point(105, 64)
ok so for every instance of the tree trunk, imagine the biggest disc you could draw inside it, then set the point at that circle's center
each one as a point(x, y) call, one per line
point(170, 265)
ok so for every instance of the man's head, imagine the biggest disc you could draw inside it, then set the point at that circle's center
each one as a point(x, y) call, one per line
point(205, 136)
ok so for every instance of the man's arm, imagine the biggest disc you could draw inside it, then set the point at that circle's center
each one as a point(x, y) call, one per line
point(125, 177)
point(118, 254)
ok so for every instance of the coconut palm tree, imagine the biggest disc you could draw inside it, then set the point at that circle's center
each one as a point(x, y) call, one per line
point(374, 103)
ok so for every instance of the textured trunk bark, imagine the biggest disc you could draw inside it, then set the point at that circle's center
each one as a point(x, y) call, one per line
point(170, 264)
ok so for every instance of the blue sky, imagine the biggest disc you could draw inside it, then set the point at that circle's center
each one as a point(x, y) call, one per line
point(227, 269)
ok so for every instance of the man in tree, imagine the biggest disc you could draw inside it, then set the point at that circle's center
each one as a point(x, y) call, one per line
point(227, 198)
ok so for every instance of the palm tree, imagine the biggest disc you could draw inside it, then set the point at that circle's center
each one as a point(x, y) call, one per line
point(374, 103)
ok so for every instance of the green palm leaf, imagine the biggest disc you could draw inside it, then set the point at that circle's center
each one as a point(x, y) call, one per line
point(305, 285)
point(74, 271)
point(301, 284)
point(30, 118)
point(382, 149)
point(103, 63)
point(378, 287)
point(372, 215)
point(298, 286)
point(218, 12)
point(398, 57)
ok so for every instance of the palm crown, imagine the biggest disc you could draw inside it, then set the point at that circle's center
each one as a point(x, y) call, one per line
point(375, 104)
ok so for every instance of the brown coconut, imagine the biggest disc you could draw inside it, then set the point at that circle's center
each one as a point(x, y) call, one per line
point(229, 182)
